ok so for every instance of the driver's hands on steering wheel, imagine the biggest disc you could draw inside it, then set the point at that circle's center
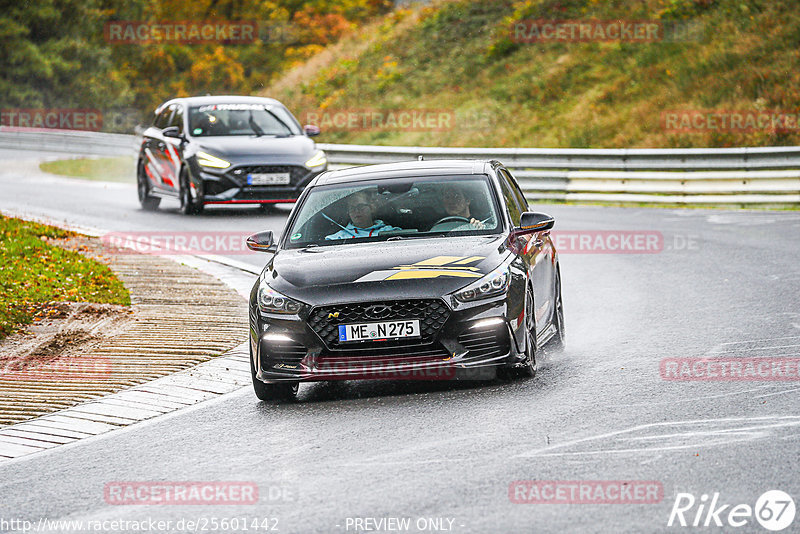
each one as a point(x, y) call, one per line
point(478, 225)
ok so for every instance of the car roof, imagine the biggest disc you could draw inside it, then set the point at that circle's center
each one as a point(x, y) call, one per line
point(219, 99)
point(441, 167)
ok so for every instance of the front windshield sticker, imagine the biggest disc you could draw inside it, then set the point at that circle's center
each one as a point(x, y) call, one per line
point(232, 107)
point(295, 237)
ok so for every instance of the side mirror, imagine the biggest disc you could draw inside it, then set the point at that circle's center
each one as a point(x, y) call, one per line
point(311, 130)
point(172, 131)
point(261, 242)
point(532, 221)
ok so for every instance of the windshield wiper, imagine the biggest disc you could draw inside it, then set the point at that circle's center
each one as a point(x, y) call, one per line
point(255, 127)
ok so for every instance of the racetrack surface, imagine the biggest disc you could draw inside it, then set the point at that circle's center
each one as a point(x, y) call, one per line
point(725, 284)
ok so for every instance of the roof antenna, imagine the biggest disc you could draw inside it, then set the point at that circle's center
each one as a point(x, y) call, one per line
point(420, 158)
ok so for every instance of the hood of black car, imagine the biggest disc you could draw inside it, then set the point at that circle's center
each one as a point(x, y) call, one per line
point(414, 268)
point(243, 150)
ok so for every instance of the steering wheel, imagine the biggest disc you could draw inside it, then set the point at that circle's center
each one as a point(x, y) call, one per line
point(451, 218)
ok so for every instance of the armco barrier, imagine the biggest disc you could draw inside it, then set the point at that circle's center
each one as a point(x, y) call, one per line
point(761, 175)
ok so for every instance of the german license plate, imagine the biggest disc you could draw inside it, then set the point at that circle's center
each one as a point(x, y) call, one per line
point(384, 330)
point(270, 178)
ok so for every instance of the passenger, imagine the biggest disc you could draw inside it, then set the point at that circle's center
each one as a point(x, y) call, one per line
point(362, 223)
point(456, 204)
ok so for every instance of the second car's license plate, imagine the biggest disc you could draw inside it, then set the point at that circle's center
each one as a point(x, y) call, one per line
point(384, 330)
point(273, 178)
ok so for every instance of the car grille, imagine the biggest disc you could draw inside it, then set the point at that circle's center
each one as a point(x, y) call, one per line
point(297, 173)
point(288, 351)
point(485, 343)
point(432, 313)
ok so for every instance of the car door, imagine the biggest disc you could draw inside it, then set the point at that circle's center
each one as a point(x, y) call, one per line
point(533, 248)
point(172, 149)
point(154, 148)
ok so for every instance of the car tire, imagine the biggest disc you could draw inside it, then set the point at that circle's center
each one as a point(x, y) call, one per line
point(148, 202)
point(528, 369)
point(282, 392)
point(559, 341)
point(189, 206)
point(528, 366)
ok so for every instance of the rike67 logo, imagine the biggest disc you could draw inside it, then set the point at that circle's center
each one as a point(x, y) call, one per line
point(774, 510)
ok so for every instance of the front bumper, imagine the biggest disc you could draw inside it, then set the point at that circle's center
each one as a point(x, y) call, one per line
point(463, 344)
point(231, 185)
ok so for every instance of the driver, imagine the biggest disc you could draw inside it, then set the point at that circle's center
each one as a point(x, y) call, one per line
point(456, 204)
point(362, 223)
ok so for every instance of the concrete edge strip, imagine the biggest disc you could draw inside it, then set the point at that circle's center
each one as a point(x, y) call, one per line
point(178, 391)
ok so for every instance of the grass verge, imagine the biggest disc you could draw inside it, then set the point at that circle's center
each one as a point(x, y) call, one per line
point(118, 169)
point(34, 273)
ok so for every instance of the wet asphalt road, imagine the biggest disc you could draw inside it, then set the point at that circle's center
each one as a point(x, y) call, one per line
point(725, 284)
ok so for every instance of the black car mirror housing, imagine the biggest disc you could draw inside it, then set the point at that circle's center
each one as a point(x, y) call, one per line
point(532, 221)
point(172, 131)
point(262, 242)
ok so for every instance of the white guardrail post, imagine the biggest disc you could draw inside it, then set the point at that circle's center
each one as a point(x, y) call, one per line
point(760, 175)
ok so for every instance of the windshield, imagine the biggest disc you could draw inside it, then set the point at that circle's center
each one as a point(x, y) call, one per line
point(403, 208)
point(242, 119)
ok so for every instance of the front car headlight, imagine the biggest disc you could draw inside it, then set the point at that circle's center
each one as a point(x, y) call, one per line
point(493, 284)
point(270, 301)
point(318, 160)
point(204, 159)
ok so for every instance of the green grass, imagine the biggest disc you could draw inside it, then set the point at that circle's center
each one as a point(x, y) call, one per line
point(119, 169)
point(34, 272)
point(458, 55)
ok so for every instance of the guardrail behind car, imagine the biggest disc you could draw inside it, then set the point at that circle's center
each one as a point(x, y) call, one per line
point(760, 175)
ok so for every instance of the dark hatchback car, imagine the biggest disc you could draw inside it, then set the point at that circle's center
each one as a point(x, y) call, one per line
point(421, 270)
point(226, 150)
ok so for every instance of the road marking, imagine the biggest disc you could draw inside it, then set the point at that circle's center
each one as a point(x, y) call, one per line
point(694, 437)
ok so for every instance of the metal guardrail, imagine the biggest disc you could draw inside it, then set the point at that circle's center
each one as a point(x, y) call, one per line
point(761, 175)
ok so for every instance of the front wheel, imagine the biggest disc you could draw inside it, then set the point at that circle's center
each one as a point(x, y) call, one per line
point(189, 204)
point(560, 339)
point(528, 366)
point(272, 392)
point(148, 202)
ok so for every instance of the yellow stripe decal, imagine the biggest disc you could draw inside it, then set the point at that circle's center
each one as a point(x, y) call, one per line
point(438, 261)
point(427, 273)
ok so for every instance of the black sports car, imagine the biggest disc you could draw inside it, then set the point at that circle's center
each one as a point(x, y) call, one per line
point(420, 270)
point(226, 150)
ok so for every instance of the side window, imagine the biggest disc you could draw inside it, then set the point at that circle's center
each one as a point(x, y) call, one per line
point(521, 200)
point(177, 118)
point(514, 209)
point(162, 120)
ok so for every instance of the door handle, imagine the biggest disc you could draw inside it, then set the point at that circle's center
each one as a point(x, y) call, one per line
point(538, 242)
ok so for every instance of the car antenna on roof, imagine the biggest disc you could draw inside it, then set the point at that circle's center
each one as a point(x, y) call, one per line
point(420, 158)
